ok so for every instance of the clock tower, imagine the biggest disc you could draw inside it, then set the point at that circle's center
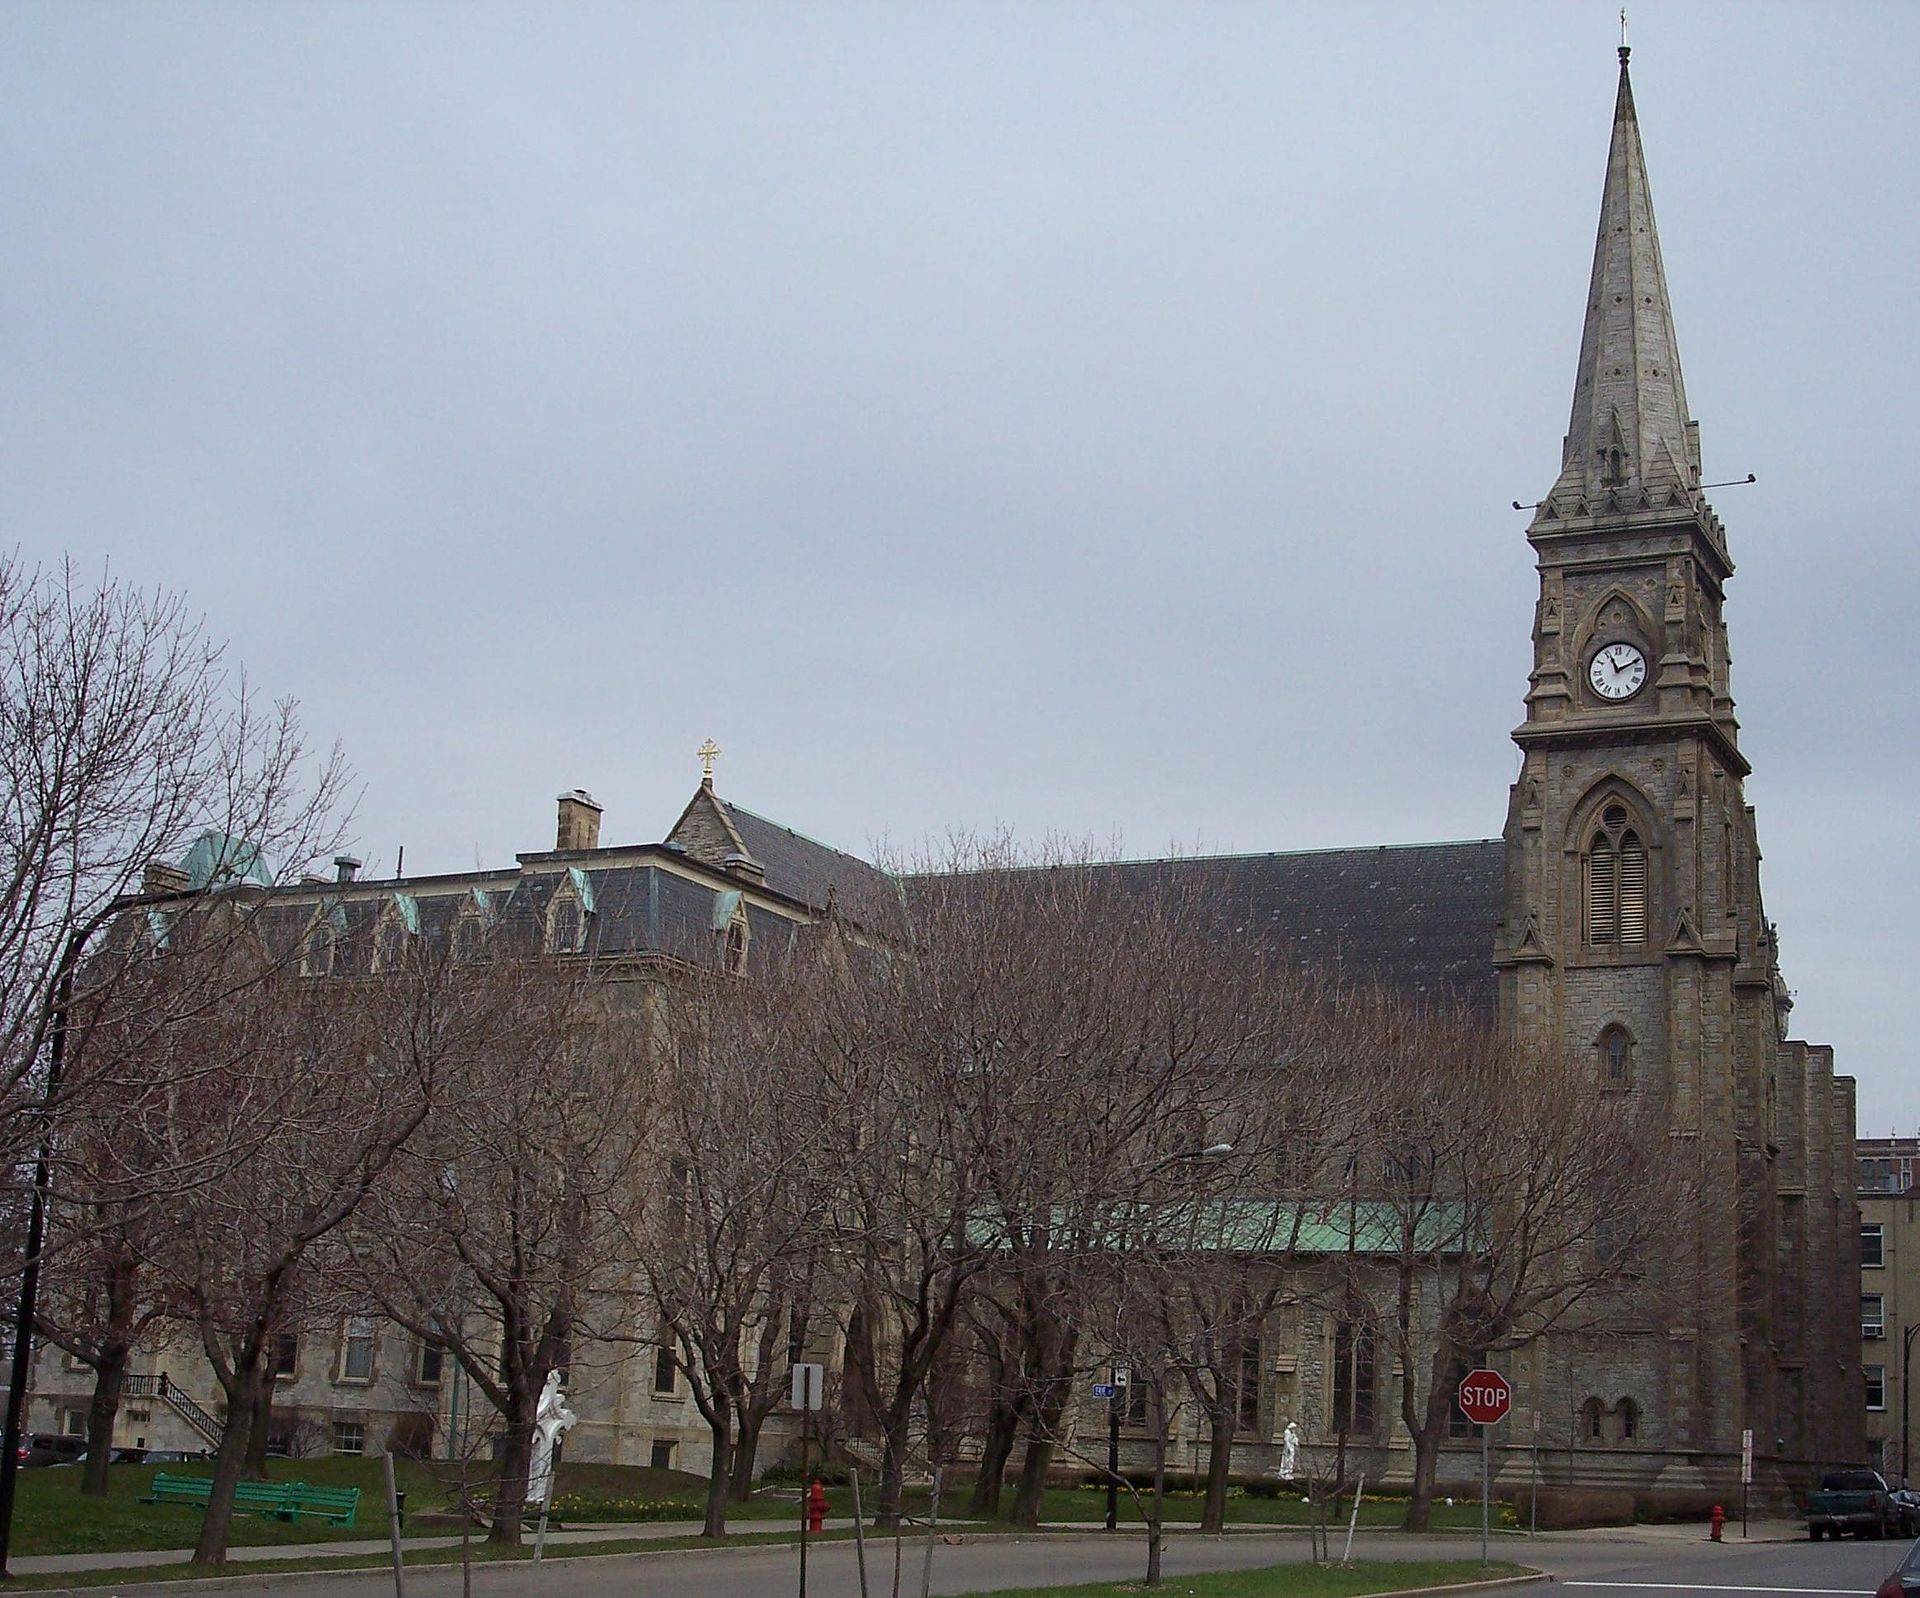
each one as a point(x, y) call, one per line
point(1633, 939)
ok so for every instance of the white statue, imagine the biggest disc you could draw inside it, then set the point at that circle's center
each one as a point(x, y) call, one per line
point(550, 1422)
point(1289, 1451)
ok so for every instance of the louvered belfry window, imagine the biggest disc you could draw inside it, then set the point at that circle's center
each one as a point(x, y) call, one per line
point(1616, 883)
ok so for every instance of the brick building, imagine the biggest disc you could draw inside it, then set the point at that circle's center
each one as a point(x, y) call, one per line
point(1889, 1192)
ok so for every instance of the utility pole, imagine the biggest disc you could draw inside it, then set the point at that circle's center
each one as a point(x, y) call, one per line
point(1906, 1366)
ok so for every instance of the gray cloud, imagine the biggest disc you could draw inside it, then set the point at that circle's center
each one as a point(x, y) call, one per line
point(1086, 418)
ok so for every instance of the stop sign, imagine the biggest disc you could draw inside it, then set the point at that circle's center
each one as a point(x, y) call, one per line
point(1485, 1397)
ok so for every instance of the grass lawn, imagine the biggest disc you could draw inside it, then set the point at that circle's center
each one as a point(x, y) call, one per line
point(1290, 1581)
point(1183, 1508)
point(52, 1516)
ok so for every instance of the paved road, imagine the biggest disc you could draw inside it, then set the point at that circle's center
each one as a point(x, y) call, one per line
point(1620, 1565)
point(1632, 1568)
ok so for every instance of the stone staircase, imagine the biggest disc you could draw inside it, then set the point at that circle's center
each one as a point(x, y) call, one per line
point(180, 1403)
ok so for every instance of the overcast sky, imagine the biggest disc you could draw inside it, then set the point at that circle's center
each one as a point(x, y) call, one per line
point(1099, 419)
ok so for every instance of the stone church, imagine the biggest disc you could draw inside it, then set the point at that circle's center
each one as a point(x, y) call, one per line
point(1618, 921)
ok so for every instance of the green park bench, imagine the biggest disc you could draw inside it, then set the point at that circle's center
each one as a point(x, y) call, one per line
point(337, 1504)
point(279, 1500)
point(254, 1497)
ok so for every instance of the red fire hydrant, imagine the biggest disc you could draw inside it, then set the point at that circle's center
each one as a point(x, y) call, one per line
point(1718, 1520)
point(817, 1508)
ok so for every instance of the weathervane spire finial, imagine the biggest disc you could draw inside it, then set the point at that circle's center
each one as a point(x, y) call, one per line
point(708, 753)
point(1625, 51)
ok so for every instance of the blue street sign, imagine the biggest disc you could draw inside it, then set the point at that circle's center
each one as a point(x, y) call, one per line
point(1104, 1389)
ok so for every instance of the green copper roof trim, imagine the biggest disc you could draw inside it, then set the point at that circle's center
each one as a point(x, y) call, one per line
point(582, 885)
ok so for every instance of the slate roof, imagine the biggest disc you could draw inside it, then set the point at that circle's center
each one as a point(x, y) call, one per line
point(805, 869)
point(1417, 918)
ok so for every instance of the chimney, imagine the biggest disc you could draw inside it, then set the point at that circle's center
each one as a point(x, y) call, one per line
point(744, 865)
point(344, 866)
point(579, 821)
point(159, 877)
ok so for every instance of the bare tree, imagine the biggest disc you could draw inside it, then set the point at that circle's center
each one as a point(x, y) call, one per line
point(124, 738)
point(499, 1231)
point(330, 1079)
point(731, 1239)
point(1507, 1198)
point(103, 1301)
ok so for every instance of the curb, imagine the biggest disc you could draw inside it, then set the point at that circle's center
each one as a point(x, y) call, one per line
point(1491, 1584)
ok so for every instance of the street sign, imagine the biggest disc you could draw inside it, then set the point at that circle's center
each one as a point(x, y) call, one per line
point(1746, 1457)
point(809, 1386)
point(1103, 1389)
point(1485, 1397)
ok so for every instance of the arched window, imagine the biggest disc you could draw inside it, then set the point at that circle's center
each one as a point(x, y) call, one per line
point(1615, 1049)
point(316, 956)
point(737, 936)
point(1627, 1419)
point(1616, 883)
point(1593, 1421)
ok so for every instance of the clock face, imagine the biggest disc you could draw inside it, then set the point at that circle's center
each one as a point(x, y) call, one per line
point(1617, 671)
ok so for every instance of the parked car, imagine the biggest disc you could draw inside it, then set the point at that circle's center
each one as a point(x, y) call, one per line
point(1904, 1580)
point(52, 1448)
point(1907, 1505)
point(1852, 1500)
point(156, 1456)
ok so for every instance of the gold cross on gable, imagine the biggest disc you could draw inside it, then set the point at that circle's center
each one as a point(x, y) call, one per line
point(708, 753)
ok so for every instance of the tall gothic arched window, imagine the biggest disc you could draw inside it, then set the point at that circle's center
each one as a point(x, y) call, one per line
point(1616, 1058)
point(1616, 883)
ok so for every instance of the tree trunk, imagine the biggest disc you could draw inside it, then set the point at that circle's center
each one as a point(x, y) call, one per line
point(1003, 1427)
point(243, 1394)
point(510, 1481)
point(1427, 1437)
point(719, 1477)
point(109, 1373)
point(1427, 1430)
point(1213, 1514)
point(746, 1450)
point(1047, 1411)
point(255, 1468)
point(1032, 1483)
point(891, 1483)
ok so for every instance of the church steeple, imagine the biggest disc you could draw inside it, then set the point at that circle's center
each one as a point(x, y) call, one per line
point(1630, 433)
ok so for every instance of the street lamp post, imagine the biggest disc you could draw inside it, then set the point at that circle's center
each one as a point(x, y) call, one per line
point(61, 997)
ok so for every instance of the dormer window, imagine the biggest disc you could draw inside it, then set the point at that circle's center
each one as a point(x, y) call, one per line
point(316, 954)
point(566, 924)
point(469, 933)
point(1616, 883)
point(393, 936)
point(737, 937)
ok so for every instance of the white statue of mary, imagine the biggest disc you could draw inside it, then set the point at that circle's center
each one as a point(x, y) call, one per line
point(550, 1422)
point(1289, 1451)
